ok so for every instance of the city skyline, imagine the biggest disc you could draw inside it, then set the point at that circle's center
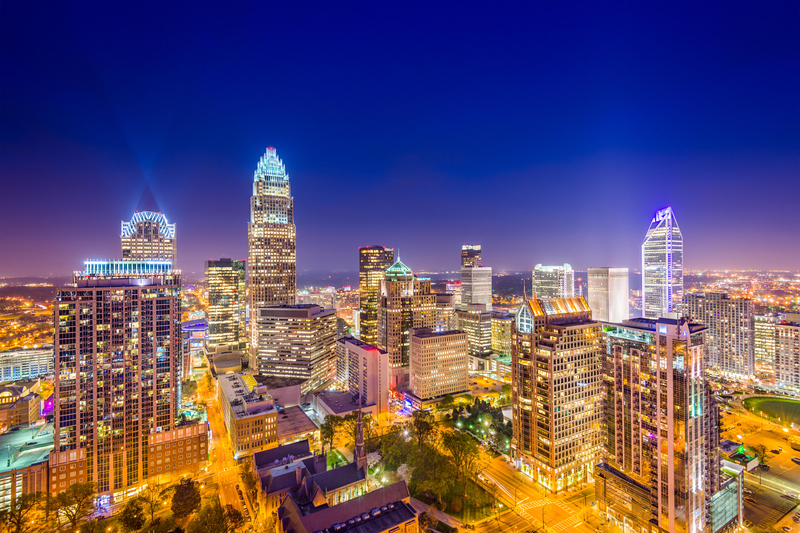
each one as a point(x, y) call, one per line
point(654, 127)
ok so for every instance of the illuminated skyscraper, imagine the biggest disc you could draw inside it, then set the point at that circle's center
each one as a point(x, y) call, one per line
point(476, 322)
point(608, 294)
point(225, 280)
point(117, 365)
point(765, 346)
point(471, 255)
point(405, 302)
point(729, 346)
point(148, 237)
point(476, 286)
point(555, 360)
point(553, 281)
point(661, 431)
point(662, 266)
point(438, 364)
point(297, 341)
point(372, 264)
point(787, 356)
point(271, 259)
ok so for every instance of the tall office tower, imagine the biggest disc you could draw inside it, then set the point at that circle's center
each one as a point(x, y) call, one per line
point(476, 322)
point(787, 357)
point(117, 365)
point(225, 281)
point(608, 294)
point(553, 281)
point(555, 360)
point(476, 286)
point(502, 333)
point(297, 341)
point(729, 340)
point(364, 369)
point(662, 266)
point(445, 311)
point(662, 433)
point(765, 346)
point(454, 288)
point(405, 302)
point(271, 242)
point(148, 237)
point(438, 365)
point(471, 255)
point(372, 264)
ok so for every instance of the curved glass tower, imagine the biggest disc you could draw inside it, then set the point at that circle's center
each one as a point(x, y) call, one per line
point(271, 238)
point(662, 266)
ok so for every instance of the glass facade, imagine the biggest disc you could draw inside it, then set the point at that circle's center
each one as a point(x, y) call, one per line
point(608, 294)
point(476, 286)
point(225, 281)
point(553, 281)
point(662, 266)
point(471, 255)
point(764, 350)
point(372, 264)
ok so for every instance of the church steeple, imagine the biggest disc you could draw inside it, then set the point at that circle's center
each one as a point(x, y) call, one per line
point(360, 453)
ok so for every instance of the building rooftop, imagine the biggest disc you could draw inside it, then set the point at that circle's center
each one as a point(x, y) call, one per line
point(425, 333)
point(294, 311)
point(282, 454)
point(26, 447)
point(390, 502)
point(294, 421)
point(277, 382)
point(245, 396)
point(340, 402)
point(356, 342)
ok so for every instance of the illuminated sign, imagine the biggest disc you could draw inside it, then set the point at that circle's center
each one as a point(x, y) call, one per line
point(662, 329)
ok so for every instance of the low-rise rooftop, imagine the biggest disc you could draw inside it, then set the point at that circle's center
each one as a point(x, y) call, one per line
point(26, 447)
point(294, 421)
point(245, 396)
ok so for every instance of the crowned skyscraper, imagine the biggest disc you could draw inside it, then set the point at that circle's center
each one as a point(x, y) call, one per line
point(271, 259)
point(662, 266)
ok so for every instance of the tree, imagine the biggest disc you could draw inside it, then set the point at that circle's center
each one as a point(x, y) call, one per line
point(422, 422)
point(328, 429)
point(132, 517)
point(447, 401)
point(427, 522)
point(210, 519)
point(248, 478)
point(234, 516)
point(22, 516)
point(186, 498)
point(761, 451)
point(75, 505)
point(431, 473)
point(152, 497)
point(506, 394)
point(464, 452)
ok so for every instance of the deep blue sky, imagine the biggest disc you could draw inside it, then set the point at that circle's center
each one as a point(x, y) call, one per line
point(547, 133)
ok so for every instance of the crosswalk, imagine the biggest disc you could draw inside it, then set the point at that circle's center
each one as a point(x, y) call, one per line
point(568, 523)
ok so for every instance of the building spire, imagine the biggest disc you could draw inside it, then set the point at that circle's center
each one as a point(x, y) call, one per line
point(360, 455)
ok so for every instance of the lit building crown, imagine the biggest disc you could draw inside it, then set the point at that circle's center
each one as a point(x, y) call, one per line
point(165, 228)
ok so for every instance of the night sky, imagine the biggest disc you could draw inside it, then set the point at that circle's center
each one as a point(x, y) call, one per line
point(546, 133)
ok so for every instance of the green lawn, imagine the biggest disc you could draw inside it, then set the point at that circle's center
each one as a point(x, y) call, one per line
point(786, 409)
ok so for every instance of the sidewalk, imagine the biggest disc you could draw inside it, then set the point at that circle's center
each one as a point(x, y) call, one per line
point(422, 507)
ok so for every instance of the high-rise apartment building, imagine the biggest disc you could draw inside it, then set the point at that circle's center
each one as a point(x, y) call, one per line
point(271, 242)
point(729, 344)
point(787, 357)
point(454, 288)
point(148, 237)
point(438, 364)
point(471, 255)
point(372, 264)
point(117, 344)
point(364, 369)
point(553, 281)
point(608, 294)
point(661, 427)
point(225, 281)
point(502, 333)
point(297, 341)
point(555, 386)
point(476, 322)
point(765, 346)
point(662, 266)
point(405, 302)
point(476, 286)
